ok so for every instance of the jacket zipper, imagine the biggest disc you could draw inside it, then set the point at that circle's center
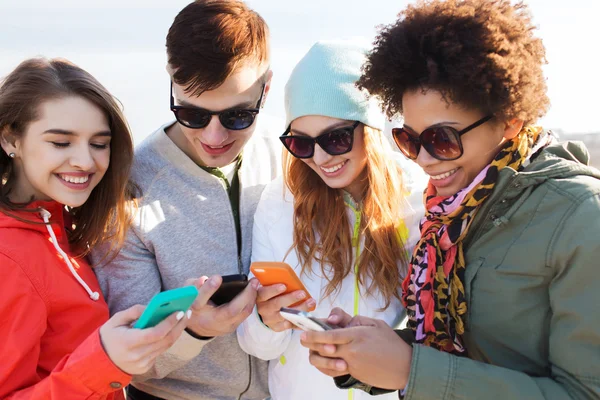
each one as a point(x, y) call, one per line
point(356, 246)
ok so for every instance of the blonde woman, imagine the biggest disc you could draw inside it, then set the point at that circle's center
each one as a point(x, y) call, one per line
point(340, 217)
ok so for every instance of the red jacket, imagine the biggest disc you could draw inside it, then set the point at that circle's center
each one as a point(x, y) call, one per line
point(49, 342)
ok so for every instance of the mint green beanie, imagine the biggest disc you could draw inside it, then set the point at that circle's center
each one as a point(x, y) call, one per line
point(323, 83)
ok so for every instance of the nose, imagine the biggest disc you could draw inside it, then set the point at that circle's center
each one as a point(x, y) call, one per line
point(424, 159)
point(82, 158)
point(214, 134)
point(320, 157)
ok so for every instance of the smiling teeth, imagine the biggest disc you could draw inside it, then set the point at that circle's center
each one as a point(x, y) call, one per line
point(444, 175)
point(75, 179)
point(334, 168)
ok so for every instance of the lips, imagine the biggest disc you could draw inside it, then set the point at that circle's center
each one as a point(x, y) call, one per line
point(334, 170)
point(217, 150)
point(443, 175)
point(76, 180)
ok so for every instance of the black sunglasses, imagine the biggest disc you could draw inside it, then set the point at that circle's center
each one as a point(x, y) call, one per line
point(234, 119)
point(441, 142)
point(334, 142)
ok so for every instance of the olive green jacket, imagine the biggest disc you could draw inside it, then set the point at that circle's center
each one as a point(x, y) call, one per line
point(532, 287)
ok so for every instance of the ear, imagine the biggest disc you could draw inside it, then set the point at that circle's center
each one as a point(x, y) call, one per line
point(512, 128)
point(268, 78)
point(169, 69)
point(8, 141)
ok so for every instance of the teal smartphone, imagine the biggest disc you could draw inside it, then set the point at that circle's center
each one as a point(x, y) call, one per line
point(166, 303)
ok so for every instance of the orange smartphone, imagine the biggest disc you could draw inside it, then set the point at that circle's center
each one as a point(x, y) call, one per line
point(273, 272)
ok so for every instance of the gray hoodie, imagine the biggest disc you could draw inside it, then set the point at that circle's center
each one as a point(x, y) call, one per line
point(185, 229)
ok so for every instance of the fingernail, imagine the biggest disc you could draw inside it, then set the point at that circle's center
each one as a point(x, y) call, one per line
point(213, 282)
point(340, 365)
point(332, 318)
point(189, 314)
point(311, 303)
point(180, 315)
point(255, 284)
point(300, 295)
point(281, 288)
point(303, 336)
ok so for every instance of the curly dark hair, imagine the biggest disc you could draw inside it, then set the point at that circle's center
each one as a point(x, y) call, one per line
point(480, 54)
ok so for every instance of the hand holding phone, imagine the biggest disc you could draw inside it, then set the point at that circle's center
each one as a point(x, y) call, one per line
point(281, 288)
point(304, 320)
point(209, 319)
point(135, 350)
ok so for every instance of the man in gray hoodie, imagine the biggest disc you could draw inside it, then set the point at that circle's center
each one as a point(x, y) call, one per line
point(201, 177)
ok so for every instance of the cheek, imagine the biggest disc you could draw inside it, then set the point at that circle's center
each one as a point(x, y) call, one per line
point(190, 134)
point(478, 153)
point(358, 156)
point(309, 162)
point(102, 161)
point(242, 136)
point(42, 161)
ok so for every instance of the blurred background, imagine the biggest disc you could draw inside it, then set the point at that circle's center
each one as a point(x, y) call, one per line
point(122, 43)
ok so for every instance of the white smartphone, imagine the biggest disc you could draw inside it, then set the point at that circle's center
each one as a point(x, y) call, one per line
point(304, 320)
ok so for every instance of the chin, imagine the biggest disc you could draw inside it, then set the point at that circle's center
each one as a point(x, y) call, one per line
point(335, 183)
point(219, 161)
point(73, 201)
point(449, 191)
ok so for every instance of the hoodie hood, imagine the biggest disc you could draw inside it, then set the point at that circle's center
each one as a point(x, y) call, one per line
point(555, 161)
point(559, 160)
point(48, 218)
point(33, 220)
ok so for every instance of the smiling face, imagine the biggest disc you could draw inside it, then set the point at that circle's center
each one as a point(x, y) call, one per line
point(215, 145)
point(423, 110)
point(62, 155)
point(338, 172)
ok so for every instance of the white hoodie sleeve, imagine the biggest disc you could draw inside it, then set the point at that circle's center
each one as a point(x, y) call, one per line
point(254, 337)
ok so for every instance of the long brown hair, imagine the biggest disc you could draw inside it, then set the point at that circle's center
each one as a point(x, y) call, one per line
point(105, 215)
point(320, 210)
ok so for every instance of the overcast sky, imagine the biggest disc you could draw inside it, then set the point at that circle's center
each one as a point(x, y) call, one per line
point(122, 44)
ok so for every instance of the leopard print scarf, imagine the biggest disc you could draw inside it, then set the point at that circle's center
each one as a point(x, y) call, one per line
point(433, 290)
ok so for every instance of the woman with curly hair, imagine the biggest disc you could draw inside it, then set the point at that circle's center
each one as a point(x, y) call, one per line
point(339, 217)
point(502, 285)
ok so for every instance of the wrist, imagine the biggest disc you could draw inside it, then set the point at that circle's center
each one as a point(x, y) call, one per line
point(196, 335)
point(260, 319)
point(198, 331)
point(404, 369)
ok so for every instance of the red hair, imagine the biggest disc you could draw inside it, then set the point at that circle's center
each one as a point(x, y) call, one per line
point(320, 211)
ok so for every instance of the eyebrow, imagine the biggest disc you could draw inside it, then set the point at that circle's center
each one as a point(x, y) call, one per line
point(246, 104)
point(329, 128)
point(70, 133)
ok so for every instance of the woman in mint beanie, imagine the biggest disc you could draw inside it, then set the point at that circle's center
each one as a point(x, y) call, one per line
point(340, 216)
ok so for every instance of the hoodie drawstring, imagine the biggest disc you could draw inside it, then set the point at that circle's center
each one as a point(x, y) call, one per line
point(46, 216)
